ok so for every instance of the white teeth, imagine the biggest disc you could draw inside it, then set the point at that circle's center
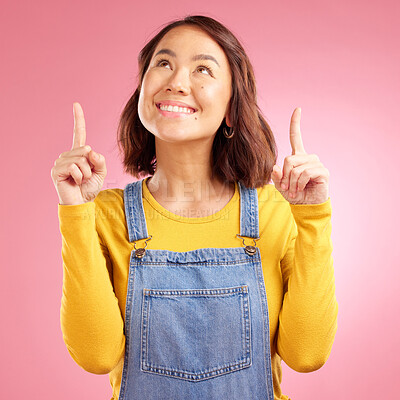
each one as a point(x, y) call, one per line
point(176, 109)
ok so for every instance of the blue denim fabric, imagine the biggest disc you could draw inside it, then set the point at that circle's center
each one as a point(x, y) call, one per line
point(196, 322)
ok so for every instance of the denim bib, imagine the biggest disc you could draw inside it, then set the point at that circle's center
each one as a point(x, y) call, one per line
point(196, 322)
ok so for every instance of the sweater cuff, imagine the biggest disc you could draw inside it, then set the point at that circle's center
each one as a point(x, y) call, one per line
point(83, 211)
point(312, 210)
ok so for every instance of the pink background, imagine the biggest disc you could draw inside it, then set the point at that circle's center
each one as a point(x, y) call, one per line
point(337, 60)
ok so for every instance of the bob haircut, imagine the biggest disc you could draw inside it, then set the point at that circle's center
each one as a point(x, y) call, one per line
point(247, 157)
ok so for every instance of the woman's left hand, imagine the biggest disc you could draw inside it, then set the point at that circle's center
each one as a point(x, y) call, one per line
point(303, 174)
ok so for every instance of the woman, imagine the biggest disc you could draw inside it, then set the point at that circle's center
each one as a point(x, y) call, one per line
point(196, 281)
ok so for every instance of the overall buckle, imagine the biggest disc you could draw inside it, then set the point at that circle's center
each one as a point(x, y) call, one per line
point(141, 251)
point(250, 250)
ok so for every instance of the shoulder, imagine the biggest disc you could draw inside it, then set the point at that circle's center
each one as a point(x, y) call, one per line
point(110, 205)
point(273, 209)
point(275, 219)
point(110, 198)
point(268, 190)
point(270, 197)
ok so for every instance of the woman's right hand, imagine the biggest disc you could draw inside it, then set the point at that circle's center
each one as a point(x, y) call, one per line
point(78, 175)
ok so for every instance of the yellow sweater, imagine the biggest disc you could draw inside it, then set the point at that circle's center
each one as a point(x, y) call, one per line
point(296, 253)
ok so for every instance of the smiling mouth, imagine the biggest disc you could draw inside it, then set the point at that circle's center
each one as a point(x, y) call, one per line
point(175, 109)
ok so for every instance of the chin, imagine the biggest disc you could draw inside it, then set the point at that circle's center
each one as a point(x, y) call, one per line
point(173, 137)
point(177, 136)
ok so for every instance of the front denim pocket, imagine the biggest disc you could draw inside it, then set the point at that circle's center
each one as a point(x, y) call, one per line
point(195, 334)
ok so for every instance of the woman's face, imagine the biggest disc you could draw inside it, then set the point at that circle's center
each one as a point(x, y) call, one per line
point(186, 89)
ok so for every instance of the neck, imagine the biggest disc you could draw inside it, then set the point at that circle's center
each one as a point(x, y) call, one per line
point(184, 174)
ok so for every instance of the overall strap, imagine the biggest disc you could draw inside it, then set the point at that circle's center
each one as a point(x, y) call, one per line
point(136, 221)
point(134, 212)
point(248, 212)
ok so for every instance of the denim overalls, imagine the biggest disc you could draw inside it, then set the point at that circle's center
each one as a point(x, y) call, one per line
point(196, 322)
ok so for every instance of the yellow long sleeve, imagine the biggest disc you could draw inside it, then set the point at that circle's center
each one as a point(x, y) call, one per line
point(308, 317)
point(91, 321)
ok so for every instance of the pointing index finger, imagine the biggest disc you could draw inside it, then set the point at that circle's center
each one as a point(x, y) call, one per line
point(295, 135)
point(79, 138)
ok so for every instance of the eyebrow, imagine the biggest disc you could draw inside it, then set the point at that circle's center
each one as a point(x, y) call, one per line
point(195, 58)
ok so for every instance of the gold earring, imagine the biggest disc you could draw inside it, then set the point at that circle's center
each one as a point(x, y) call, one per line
point(226, 134)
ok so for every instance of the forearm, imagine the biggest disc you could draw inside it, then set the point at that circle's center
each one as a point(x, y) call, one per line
point(308, 317)
point(91, 320)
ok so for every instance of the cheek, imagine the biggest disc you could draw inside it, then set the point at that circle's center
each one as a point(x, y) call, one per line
point(140, 105)
point(209, 95)
point(144, 104)
point(150, 86)
point(146, 96)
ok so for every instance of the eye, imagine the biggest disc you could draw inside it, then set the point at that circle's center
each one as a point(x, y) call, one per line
point(204, 68)
point(162, 63)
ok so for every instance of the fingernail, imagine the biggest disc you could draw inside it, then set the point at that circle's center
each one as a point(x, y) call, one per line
point(283, 186)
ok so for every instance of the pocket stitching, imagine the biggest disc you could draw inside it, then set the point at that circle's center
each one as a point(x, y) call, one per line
point(236, 365)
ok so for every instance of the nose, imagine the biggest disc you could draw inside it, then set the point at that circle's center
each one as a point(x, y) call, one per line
point(179, 82)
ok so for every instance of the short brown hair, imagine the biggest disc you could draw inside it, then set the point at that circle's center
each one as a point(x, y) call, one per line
point(248, 156)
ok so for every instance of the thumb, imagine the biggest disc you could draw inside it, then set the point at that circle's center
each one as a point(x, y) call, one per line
point(276, 176)
point(276, 173)
point(99, 163)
